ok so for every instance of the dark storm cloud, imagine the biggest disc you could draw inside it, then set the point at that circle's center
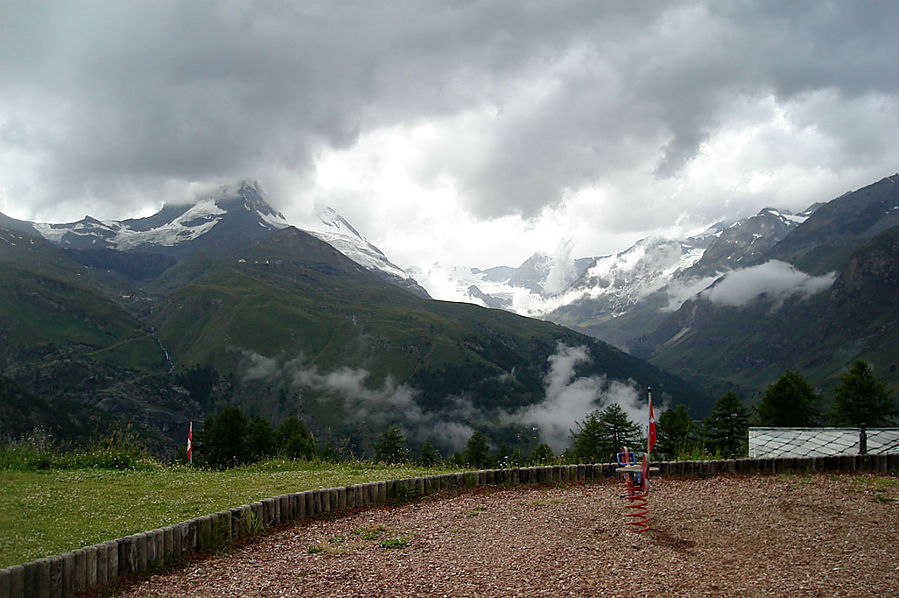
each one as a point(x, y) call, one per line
point(109, 100)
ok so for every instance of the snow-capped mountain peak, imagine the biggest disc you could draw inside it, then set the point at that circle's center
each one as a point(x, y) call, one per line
point(336, 231)
point(336, 223)
point(174, 224)
point(614, 284)
point(222, 221)
point(250, 196)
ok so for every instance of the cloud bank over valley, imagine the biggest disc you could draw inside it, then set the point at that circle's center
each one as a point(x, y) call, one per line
point(568, 399)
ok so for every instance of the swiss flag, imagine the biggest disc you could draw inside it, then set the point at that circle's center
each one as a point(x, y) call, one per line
point(652, 427)
point(190, 444)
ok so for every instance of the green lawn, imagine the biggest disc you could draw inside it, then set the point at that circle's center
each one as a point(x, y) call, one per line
point(47, 513)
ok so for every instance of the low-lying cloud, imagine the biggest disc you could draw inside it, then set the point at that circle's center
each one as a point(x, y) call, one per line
point(681, 290)
point(570, 398)
point(774, 279)
point(381, 406)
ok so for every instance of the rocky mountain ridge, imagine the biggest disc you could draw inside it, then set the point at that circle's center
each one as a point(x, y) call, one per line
point(222, 222)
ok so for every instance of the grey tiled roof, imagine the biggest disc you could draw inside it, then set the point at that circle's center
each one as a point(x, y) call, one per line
point(819, 442)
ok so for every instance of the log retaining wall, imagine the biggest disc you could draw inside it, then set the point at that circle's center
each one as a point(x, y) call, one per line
point(66, 574)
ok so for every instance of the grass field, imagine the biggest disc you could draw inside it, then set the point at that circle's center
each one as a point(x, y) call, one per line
point(43, 513)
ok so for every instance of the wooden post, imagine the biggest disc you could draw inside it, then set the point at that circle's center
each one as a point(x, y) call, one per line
point(90, 566)
point(102, 563)
point(17, 581)
point(112, 559)
point(55, 576)
point(80, 572)
point(152, 556)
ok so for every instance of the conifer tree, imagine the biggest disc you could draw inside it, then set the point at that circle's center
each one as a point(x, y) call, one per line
point(727, 428)
point(223, 438)
point(860, 398)
point(429, 455)
point(603, 434)
point(477, 452)
point(674, 432)
point(391, 447)
point(789, 402)
point(542, 455)
point(261, 439)
point(296, 441)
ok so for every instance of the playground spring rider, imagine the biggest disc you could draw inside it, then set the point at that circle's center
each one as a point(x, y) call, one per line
point(636, 479)
point(636, 483)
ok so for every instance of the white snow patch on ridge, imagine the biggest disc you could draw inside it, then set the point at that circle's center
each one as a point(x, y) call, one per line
point(277, 221)
point(193, 223)
point(360, 251)
point(51, 232)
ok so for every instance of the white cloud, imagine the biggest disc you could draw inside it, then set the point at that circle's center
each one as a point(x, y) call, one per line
point(465, 133)
point(680, 290)
point(570, 398)
point(775, 279)
point(386, 405)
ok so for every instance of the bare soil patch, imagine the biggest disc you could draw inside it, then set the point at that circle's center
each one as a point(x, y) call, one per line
point(730, 535)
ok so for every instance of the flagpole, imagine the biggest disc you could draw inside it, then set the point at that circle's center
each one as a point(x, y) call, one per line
point(651, 437)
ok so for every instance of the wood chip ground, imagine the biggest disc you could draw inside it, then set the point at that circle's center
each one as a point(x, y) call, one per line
point(774, 535)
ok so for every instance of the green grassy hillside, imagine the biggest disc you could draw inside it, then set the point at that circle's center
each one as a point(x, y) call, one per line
point(46, 303)
point(820, 337)
point(330, 313)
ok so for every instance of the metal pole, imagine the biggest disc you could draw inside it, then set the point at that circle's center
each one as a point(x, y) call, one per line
point(862, 440)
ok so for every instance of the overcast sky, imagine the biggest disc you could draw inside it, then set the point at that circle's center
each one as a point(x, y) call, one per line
point(470, 133)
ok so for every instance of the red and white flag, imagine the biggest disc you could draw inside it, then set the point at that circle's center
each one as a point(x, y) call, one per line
point(190, 443)
point(651, 441)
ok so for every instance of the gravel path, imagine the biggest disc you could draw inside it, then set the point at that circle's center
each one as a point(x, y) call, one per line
point(788, 535)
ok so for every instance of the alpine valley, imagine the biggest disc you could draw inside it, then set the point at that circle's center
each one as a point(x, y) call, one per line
point(158, 320)
point(736, 305)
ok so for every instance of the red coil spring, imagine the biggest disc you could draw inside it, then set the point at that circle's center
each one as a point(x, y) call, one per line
point(637, 507)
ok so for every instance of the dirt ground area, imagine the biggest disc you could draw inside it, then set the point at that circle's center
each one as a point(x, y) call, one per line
point(729, 535)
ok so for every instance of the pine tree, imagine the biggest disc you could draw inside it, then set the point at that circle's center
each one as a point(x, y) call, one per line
point(674, 432)
point(295, 440)
point(429, 456)
point(477, 452)
point(542, 455)
point(603, 434)
point(502, 457)
point(223, 438)
point(261, 440)
point(727, 428)
point(391, 447)
point(789, 402)
point(860, 398)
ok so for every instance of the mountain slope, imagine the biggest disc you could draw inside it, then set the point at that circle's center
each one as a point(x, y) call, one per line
point(824, 242)
point(620, 298)
point(832, 299)
point(624, 297)
point(296, 319)
point(78, 360)
point(46, 299)
point(284, 324)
